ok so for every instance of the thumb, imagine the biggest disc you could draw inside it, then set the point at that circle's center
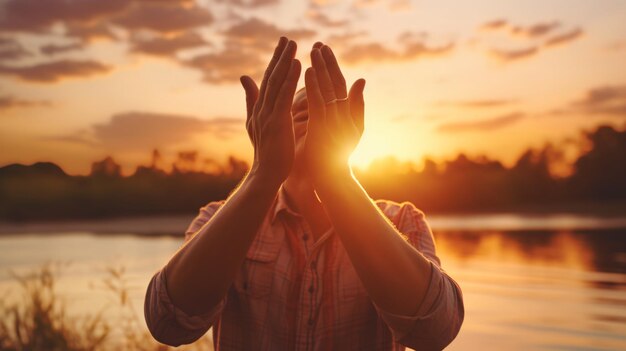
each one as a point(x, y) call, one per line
point(252, 94)
point(357, 104)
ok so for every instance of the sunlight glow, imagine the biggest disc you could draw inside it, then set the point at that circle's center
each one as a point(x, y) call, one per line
point(366, 152)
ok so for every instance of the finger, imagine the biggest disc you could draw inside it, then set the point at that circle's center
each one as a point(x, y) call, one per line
point(332, 119)
point(275, 82)
point(280, 47)
point(252, 94)
point(318, 45)
point(323, 78)
point(339, 82)
point(288, 90)
point(357, 104)
point(315, 99)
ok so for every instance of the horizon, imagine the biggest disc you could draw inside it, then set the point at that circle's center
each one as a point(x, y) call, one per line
point(559, 159)
point(192, 161)
point(464, 184)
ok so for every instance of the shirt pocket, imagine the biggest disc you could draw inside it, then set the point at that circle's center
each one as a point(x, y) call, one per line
point(256, 277)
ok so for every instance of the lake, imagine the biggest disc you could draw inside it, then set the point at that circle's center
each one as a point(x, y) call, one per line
point(529, 282)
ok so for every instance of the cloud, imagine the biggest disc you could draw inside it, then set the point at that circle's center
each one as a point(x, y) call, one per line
point(418, 50)
point(54, 71)
point(168, 2)
point(364, 3)
point(377, 52)
point(481, 125)
point(36, 16)
point(89, 32)
point(227, 66)
point(392, 5)
point(408, 37)
point(164, 18)
point(604, 100)
point(84, 21)
point(536, 37)
point(168, 46)
point(400, 5)
point(11, 49)
point(515, 54)
point(477, 103)
point(321, 19)
point(616, 46)
point(138, 131)
point(246, 45)
point(494, 24)
point(92, 19)
point(9, 102)
point(323, 2)
point(53, 49)
point(250, 3)
point(564, 37)
point(344, 39)
point(373, 52)
point(254, 32)
point(536, 30)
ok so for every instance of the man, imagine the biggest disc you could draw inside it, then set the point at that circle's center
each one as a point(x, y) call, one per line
point(299, 257)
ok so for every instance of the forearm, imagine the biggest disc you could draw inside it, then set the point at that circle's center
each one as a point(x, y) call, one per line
point(394, 273)
point(201, 272)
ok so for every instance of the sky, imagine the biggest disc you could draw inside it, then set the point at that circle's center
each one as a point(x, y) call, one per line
point(84, 79)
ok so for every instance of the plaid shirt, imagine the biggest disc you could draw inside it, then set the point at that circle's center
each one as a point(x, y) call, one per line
point(296, 294)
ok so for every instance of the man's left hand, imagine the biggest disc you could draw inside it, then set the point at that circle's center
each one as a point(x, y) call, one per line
point(335, 117)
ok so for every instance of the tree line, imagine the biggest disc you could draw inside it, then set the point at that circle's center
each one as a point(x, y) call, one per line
point(596, 183)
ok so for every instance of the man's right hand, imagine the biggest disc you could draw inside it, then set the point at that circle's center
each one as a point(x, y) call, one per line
point(218, 248)
point(269, 122)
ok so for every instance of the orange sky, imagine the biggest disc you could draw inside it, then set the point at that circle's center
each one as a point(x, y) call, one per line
point(83, 79)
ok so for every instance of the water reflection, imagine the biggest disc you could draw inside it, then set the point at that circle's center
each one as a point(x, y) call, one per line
point(523, 289)
point(544, 289)
point(597, 250)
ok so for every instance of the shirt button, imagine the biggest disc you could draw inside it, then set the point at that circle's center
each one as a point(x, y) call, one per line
point(311, 321)
point(311, 289)
point(313, 265)
point(305, 237)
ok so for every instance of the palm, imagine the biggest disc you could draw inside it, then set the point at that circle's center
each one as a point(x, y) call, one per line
point(335, 116)
point(269, 122)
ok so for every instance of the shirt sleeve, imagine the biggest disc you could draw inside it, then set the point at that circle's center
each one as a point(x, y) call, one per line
point(166, 322)
point(440, 315)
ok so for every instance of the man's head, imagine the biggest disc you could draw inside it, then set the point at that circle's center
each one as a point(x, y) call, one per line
point(300, 114)
point(300, 109)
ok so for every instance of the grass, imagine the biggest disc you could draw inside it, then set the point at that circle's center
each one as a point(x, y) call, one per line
point(38, 319)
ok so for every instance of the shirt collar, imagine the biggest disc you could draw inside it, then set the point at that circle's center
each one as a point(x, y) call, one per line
point(281, 204)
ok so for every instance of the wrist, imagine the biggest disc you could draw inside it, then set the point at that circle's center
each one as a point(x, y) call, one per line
point(265, 179)
point(330, 178)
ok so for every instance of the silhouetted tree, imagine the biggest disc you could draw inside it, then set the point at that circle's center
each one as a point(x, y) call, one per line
point(156, 159)
point(106, 168)
point(600, 173)
point(185, 161)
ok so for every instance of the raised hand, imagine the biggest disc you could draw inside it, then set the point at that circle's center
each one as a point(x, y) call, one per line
point(269, 122)
point(335, 116)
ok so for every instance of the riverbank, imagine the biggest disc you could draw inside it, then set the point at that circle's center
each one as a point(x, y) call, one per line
point(173, 225)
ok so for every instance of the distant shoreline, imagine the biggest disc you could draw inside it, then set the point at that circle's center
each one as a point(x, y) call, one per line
point(175, 225)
